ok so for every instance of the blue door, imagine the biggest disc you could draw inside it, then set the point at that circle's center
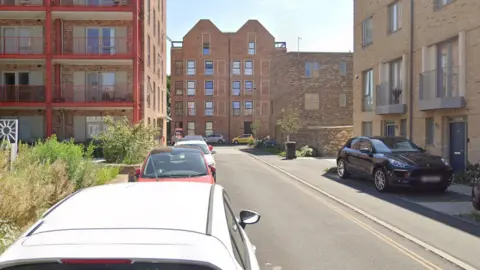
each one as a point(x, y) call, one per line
point(458, 140)
point(389, 128)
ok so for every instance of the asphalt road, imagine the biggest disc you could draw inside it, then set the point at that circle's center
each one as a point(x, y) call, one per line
point(301, 229)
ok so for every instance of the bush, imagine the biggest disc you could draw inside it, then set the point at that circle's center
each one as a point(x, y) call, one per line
point(305, 151)
point(251, 142)
point(127, 143)
point(471, 176)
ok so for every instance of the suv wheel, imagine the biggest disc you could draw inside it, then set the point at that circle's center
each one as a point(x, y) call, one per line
point(475, 200)
point(380, 179)
point(235, 142)
point(342, 169)
point(221, 142)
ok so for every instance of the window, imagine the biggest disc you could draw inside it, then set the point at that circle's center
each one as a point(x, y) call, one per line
point(179, 68)
point(367, 31)
point(389, 128)
point(343, 68)
point(248, 108)
point(440, 3)
point(248, 68)
point(312, 101)
point(148, 50)
point(236, 108)
point(248, 87)
point(208, 108)
point(312, 69)
point(236, 88)
point(154, 22)
point(342, 100)
point(191, 68)
point(394, 76)
point(403, 127)
point(96, 125)
point(191, 128)
point(368, 90)
point(429, 131)
point(208, 128)
point(236, 68)
point(178, 108)
point(191, 88)
point(206, 48)
point(251, 48)
point(179, 88)
point(155, 58)
point(366, 128)
point(395, 16)
point(159, 35)
point(149, 91)
point(99, 86)
point(154, 96)
point(100, 40)
point(208, 88)
point(148, 11)
point(161, 66)
point(191, 108)
point(208, 67)
point(238, 244)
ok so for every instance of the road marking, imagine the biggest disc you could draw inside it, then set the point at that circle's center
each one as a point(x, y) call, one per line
point(392, 228)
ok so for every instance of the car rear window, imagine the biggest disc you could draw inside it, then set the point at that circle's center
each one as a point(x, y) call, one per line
point(135, 266)
point(180, 164)
point(202, 146)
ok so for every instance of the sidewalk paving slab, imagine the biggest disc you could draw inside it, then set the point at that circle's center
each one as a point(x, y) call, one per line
point(451, 235)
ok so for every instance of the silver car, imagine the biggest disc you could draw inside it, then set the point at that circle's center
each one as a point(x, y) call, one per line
point(138, 226)
point(215, 138)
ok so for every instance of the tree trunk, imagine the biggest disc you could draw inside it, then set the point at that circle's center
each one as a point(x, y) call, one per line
point(288, 137)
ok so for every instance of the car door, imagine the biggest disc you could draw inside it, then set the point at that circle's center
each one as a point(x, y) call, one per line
point(364, 160)
point(243, 250)
point(352, 155)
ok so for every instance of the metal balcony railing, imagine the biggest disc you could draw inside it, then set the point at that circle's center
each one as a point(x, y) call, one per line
point(389, 93)
point(21, 45)
point(22, 93)
point(21, 2)
point(97, 46)
point(439, 83)
point(92, 94)
point(94, 3)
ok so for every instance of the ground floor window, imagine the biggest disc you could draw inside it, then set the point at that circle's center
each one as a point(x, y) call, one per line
point(208, 128)
point(94, 125)
point(403, 127)
point(389, 128)
point(191, 128)
point(366, 128)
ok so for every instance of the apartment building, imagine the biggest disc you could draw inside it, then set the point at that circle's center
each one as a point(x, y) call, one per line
point(221, 81)
point(66, 64)
point(416, 66)
point(319, 84)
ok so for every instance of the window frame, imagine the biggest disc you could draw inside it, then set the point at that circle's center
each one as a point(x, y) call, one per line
point(248, 111)
point(178, 109)
point(191, 111)
point(245, 68)
point(429, 131)
point(191, 71)
point(209, 131)
point(367, 82)
point(367, 33)
point(252, 49)
point(194, 88)
point(212, 69)
point(394, 17)
point(209, 108)
point(206, 49)
point(239, 109)
point(239, 249)
point(234, 69)
point(366, 124)
point(179, 88)
point(206, 88)
point(239, 88)
point(190, 129)
point(246, 89)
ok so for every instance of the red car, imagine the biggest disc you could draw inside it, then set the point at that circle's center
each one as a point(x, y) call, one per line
point(181, 163)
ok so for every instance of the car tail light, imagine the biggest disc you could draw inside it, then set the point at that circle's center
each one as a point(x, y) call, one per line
point(213, 169)
point(96, 261)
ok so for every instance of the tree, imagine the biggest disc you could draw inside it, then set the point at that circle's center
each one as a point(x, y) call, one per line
point(168, 96)
point(255, 126)
point(290, 121)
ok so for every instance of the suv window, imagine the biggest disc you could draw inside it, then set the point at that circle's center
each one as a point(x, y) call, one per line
point(135, 266)
point(238, 244)
point(355, 144)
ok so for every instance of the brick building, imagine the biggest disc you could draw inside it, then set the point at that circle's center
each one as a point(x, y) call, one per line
point(66, 64)
point(221, 81)
point(320, 84)
point(417, 74)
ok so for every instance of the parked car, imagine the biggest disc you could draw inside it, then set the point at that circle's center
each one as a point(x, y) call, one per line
point(192, 137)
point(476, 196)
point(207, 150)
point(393, 162)
point(185, 163)
point(244, 138)
point(164, 225)
point(215, 138)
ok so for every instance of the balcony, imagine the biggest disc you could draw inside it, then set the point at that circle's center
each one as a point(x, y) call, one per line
point(22, 93)
point(93, 95)
point(93, 9)
point(19, 9)
point(439, 89)
point(390, 99)
point(21, 47)
point(96, 48)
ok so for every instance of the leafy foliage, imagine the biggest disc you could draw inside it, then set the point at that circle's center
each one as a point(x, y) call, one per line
point(290, 121)
point(255, 126)
point(127, 143)
point(471, 176)
point(305, 151)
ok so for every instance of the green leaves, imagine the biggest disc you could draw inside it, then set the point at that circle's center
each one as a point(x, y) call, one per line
point(290, 120)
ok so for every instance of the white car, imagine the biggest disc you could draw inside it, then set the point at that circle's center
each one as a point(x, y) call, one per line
point(138, 226)
point(204, 146)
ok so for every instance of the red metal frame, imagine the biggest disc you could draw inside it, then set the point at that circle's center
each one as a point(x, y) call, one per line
point(48, 69)
point(136, 62)
point(92, 104)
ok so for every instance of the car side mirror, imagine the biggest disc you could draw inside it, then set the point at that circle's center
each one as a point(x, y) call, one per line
point(210, 148)
point(248, 217)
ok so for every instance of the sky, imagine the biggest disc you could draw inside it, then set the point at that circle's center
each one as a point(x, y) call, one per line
point(322, 25)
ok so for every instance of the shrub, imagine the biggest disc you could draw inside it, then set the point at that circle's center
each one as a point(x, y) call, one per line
point(251, 142)
point(305, 151)
point(127, 143)
point(471, 176)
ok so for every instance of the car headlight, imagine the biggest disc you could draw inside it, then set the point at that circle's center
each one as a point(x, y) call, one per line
point(445, 162)
point(397, 163)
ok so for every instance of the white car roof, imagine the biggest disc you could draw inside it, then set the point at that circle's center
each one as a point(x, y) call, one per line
point(192, 142)
point(155, 220)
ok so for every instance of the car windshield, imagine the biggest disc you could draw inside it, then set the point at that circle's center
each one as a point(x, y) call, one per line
point(181, 164)
point(388, 145)
point(86, 266)
point(202, 146)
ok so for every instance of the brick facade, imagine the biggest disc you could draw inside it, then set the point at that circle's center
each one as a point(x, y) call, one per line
point(323, 94)
point(454, 24)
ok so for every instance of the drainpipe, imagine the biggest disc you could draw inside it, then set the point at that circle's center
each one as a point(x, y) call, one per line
point(410, 105)
point(229, 91)
point(63, 123)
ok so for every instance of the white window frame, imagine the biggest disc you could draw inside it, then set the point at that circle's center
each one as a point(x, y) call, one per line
point(209, 108)
point(343, 68)
point(239, 109)
point(191, 111)
point(395, 16)
point(212, 89)
point(367, 31)
point(248, 71)
point(191, 88)
point(237, 67)
point(178, 111)
point(113, 39)
point(212, 69)
point(234, 93)
point(367, 90)
point(252, 47)
point(367, 128)
point(249, 90)
point(191, 128)
point(208, 128)
point(191, 67)
point(248, 111)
